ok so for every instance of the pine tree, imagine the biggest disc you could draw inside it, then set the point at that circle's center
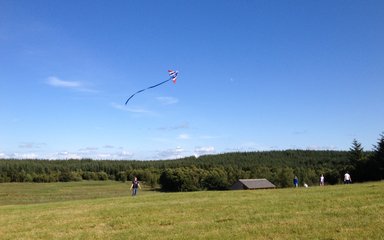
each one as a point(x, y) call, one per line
point(356, 153)
point(357, 162)
point(378, 155)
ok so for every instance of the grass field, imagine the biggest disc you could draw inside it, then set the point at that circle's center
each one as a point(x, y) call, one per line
point(105, 210)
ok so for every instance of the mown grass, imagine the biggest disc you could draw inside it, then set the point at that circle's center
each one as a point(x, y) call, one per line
point(334, 212)
point(28, 193)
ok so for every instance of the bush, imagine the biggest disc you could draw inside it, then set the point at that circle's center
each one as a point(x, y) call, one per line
point(103, 176)
point(180, 180)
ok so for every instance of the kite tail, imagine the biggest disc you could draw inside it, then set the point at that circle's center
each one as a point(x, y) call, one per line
point(142, 90)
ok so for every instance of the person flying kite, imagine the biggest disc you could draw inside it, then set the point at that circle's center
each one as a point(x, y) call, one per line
point(172, 76)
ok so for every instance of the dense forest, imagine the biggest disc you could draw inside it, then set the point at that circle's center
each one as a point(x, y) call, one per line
point(209, 172)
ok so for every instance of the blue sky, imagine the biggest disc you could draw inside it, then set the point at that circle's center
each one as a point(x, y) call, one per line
point(254, 76)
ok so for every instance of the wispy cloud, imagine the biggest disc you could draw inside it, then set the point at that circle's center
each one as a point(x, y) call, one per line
point(65, 155)
point(184, 125)
point(75, 85)
point(31, 145)
point(56, 82)
point(251, 146)
point(320, 148)
point(24, 156)
point(108, 146)
point(204, 151)
point(123, 155)
point(81, 154)
point(115, 153)
point(167, 100)
point(184, 136)
point(88, 149)
point(177, 152)
point(129, 109)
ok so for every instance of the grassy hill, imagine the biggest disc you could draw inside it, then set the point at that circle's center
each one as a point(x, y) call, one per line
point(104, 210)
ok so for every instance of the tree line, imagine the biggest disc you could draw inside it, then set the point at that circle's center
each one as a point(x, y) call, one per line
point(209, 172)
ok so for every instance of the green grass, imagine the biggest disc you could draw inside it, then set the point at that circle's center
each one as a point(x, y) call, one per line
point(104, 210)
point(28, 193)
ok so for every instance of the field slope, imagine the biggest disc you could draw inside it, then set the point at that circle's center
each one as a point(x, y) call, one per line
point(104, 210)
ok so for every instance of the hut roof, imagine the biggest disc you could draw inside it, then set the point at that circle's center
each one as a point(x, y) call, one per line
point(256, 183)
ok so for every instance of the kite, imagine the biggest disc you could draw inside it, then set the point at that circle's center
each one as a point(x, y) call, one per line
point(172, 76)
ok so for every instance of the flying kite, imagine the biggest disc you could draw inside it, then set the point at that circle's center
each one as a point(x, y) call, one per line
point(172, 76)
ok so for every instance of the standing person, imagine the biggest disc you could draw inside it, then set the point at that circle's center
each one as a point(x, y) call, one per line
point(134, 186)
point(347, 178)
point(321, 180)
point(296, 181)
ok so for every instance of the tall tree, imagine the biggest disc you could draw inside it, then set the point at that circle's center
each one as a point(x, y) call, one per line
point(378, 155)
point(356, 152)
point(356, 163)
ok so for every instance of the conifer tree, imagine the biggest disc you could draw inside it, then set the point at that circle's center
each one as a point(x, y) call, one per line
point(356, 152)
point(357, 164)
point(378, 155)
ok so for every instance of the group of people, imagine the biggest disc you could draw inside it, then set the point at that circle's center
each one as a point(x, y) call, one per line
point(347, 180)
